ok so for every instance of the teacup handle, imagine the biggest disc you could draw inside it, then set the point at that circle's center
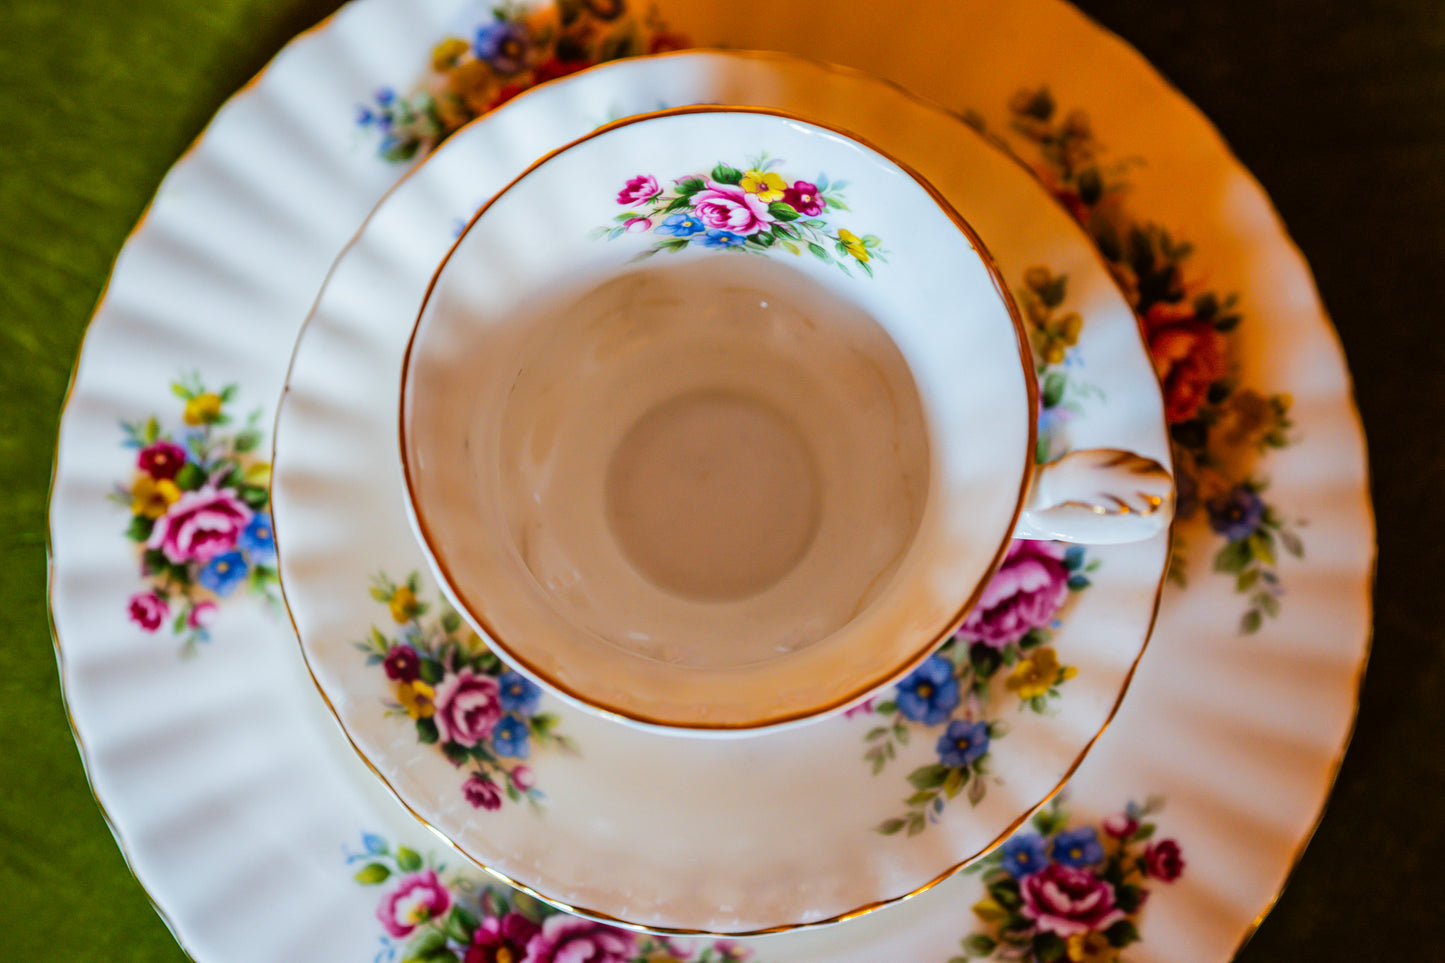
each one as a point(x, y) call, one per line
point(1098, 496)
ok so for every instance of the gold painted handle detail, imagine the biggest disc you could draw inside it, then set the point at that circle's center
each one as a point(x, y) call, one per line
point(1098, 496)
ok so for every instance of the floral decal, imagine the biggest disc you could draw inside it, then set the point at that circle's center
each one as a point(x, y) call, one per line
point(1006, 637)
point(753, 209)
point(1219, 427)
point(462, 698)
point(431, 914)
point(1053, 334)
point(198, 498)
point(516, 48)
point(1057, 892)
point(948, 699)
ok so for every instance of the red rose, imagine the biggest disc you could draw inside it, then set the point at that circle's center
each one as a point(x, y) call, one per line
point(1189, 356)
point(148, 610)
point(501, 939)
point(1163, 861)
point(161, 459)
point(1066, 901)
point(468, 705)
point(482, 793)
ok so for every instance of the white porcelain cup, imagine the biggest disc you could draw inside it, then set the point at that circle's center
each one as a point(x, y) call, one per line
point(717, 419)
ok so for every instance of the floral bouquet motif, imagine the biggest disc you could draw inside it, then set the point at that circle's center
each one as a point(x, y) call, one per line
point(462, 697)
point(520, 46)
point(1219, 427)
point(198, 498)
point(440, 917)
point(1005, 635)
point(751, 209)
point(1060, 893)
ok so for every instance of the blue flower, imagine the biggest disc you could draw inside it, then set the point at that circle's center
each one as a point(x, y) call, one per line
point(719, 238)
point(1024, 854)
point(1078, 847)
point(509, 737)
point(962, 743)
point(503, 45)
point(223, 573)
point(930, 694)
point(680, 225)
point(257, 539)
point(1238, 514)
point(518, 693)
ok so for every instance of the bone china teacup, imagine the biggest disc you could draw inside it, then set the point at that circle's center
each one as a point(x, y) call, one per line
point(718, 419)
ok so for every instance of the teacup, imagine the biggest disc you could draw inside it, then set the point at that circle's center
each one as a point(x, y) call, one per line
point(718, 419)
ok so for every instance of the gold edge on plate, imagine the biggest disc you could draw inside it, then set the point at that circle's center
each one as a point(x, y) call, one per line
point(863, 909)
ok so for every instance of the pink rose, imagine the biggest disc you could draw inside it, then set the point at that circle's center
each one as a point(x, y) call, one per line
point(148, 610)
point(730, 208)
point(202, 614)
point(501, 939)
point(638, 189)
point(468, 705)
point(522, 778)
point(1066, 901)
point(416, 899)
point(1163, 861)
point(1025, 593)
point(200, 525)
point(1121, 826)
point(482, 793)
point(638, 225)
point(161, 459)
point(565, 939)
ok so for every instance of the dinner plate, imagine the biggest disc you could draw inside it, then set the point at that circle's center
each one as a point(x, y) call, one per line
point(232, 792)
point(722, 835)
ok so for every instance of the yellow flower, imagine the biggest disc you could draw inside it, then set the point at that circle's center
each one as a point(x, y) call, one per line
point(203, 409)
point(403, 604)
point(768, 187)
point(1038, 673)
point(1090, 948)
point(416, 699)
point(151, 497)
point(445, 55)
point(854, 245)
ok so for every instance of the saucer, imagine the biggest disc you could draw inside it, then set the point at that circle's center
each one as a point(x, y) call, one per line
point(733, 835)
point(249, 821)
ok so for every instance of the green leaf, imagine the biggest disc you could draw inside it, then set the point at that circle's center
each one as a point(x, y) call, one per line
point(976, 790)
point(762, 239)
point(1292, 543)
point(1121, 934)
point(916, 824)
point(1267, 603)
point(460, 925)
point(428, 945)
point(140, 528)
point(1052, 294)
point(1250, 622)
point(431, 671)
point(1005, 893)
point(450, 621)
point(675, 244)
point(871, 241)
point(953, 782)
point(1246, 580)
point(456, 753)
point(246, 440)
point(1261, 543)
point(152, 430)
point(928, 777)
point(1233, 557)
point(727, 175)
point(867, 268)
point(1128, 897)
point(1049, 947)
point(920, 798)
point(689, 186)
point(1054, 385)
point(791, 248)
point(818, 251)
point(254, 495)
point(783, 212)
point(889, 827)
point(372, 874)
point(426, 731)
point(190, 477)
point(980, 944)
point(181, 391)
point(408, 859)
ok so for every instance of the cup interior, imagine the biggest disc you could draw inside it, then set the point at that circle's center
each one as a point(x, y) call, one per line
point(716, 419)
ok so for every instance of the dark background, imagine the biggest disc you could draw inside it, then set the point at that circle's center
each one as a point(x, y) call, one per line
point(1338, 108)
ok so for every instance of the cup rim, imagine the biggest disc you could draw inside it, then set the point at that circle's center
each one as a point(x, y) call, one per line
point(814, 711)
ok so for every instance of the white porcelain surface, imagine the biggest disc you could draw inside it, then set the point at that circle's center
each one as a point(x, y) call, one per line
point(757, 843)
point(234, 798)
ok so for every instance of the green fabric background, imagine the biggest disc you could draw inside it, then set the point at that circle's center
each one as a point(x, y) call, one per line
point(1339, 108)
